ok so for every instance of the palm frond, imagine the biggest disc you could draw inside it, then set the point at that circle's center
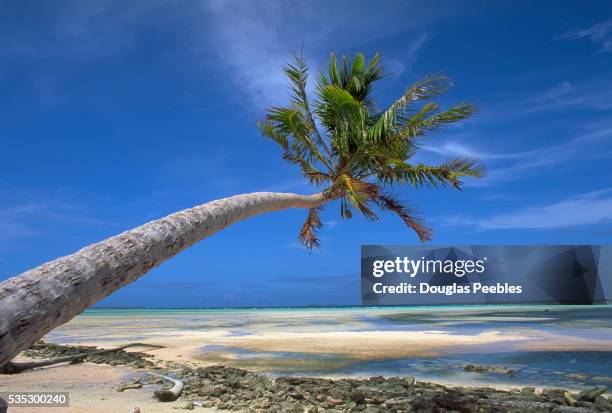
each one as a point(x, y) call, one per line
point(297, 73)
point(289, 121)
point(427, 88)
point(447, 174)
point(318, 177)
point(292, 123)
point(343, 117)
point(348, 148)
point(462, 167)
point(268, 130)
point(309, 231)
point(418, 124)
point(359, 193)
point(388, 202)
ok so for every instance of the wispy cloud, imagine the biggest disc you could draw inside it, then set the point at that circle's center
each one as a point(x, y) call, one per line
point(555, 93)
point(56, 42)
point(27, 214)
point(242, 31)
point(586, 209)
point(568, 96)
point(599, 33)
point(513, 165)
point(249, 42)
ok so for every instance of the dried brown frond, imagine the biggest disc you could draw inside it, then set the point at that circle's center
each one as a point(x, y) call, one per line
point(308, 233)
point(409, 218)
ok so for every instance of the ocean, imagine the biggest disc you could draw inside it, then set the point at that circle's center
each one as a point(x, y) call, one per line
point(521, 345)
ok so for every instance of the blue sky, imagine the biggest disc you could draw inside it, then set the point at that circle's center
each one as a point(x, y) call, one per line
point(115, 113)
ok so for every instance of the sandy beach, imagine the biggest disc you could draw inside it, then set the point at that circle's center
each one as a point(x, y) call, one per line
point(329, 343)
point(92, 388)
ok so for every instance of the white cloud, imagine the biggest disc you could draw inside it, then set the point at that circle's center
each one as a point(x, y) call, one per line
point(80, 30)
point(513, 165)
point(246, 42)
point(599, 33)
point(555, 93)
point(587, 209)
point(25, 214)
point(566, 96)
point(253, 40)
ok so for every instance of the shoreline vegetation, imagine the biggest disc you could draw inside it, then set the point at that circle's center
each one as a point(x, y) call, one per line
point(222, 388)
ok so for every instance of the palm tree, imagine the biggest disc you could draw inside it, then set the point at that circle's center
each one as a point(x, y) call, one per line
point(343, 145)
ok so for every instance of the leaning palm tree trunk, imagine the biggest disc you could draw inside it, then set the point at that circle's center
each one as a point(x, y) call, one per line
point(37, 301)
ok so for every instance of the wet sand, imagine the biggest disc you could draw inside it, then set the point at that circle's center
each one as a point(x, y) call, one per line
point(92, 388)
point(377, 334)
point(357, 335)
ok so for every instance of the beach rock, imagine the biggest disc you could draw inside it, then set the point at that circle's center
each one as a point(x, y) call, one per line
point(44, 350)
point(233, 389)
point(377, 379)
point(239, 390)
point(570, 409)
point(129, 386)
point(602, 379)
point(602, 402)
point(591, 395)
point(215, 391)
point(554, 395)
point(399, 403)
point(454, 400)
point(577, 376)
point(334, 401)
point(570, 399)
point(375, 409)
point(409, 381)
point(521, 406)
point(476, 368)
point(357, 396)
point(188, 406)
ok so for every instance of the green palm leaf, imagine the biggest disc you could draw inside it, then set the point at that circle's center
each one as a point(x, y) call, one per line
point(353, 151)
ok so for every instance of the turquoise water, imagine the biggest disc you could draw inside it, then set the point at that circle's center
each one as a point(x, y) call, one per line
point(130, 310)
point(547, 365)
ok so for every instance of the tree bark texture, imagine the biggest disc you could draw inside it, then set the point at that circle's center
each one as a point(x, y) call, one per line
point(37, 301)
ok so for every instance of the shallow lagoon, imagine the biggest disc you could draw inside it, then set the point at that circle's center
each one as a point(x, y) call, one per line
point(565, 346)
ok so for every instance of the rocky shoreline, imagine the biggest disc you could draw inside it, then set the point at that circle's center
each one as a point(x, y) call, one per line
point(235, 389)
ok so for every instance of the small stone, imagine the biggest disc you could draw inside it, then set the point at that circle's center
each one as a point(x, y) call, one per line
point(569, 398)
point(399, 403)
point(554, 395)
point(591, 395)
point(571, 409)
point(409, 380)
point(603, 402)
point(129, 386)
point(578, 376)
point(334, 400)
point(357, 396)
point(475, 368)
point(602, 379)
